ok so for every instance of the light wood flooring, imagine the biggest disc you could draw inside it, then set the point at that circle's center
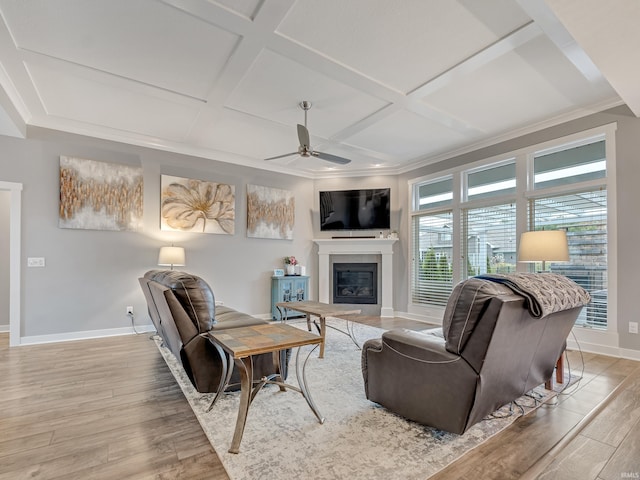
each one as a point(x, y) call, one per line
point(110, 409)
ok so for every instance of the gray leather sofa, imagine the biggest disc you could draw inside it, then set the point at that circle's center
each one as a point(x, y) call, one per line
point(490, 351)
point(182, 306)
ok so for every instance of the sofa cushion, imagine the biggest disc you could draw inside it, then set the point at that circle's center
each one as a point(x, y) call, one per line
point(193, 293)
point(465, 307)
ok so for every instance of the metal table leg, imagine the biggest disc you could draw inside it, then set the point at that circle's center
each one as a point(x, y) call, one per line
point(245, 365)
point(225, 375)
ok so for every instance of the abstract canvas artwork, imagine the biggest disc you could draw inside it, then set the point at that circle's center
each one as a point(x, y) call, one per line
point(190, 205)
point(99, 195)
point(270, 212)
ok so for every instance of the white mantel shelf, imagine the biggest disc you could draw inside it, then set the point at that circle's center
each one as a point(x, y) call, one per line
point(357, 246)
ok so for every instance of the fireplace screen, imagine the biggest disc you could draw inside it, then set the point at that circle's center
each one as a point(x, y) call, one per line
point(355, 283)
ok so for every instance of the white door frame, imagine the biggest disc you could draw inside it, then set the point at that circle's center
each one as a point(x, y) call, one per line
point(15, 208)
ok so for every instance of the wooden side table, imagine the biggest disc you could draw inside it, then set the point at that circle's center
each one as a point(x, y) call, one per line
point(241, 344)
point(322, 311)
point(559, 373)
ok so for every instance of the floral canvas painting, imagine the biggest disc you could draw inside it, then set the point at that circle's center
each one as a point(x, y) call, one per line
point(190, 205)
point(99, 196)
point(270, 212)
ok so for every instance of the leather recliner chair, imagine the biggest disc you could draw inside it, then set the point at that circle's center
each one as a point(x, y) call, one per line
point(490, 351)
point(182, 307)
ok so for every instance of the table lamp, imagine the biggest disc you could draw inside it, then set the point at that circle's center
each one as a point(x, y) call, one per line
point(543, 246)
point(171, 256)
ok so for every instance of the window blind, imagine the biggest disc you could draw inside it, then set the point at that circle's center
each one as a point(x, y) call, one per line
point(489, 240)
point(431, 276)
point(584, 217)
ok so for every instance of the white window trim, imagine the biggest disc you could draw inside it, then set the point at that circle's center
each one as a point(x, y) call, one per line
point(609, 339)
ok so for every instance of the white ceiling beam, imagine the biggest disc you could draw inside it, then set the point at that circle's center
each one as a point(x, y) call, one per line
point(608, 33)
point(544, 17)
point(12, 70)
point(480, 59)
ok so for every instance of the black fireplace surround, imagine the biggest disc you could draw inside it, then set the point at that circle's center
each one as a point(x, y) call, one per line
point(355, 283)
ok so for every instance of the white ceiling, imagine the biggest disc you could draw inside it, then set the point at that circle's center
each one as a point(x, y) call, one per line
point(394, 84)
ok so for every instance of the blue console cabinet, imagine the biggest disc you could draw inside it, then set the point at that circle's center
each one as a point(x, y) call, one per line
point(289, 288)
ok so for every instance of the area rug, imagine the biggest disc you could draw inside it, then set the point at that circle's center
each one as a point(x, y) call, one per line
point(359, 439)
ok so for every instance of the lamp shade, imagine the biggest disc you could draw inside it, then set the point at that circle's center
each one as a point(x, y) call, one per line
point(543, 246)
point(171, 256)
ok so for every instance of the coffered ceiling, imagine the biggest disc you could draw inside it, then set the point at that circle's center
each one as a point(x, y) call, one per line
point(395, 84)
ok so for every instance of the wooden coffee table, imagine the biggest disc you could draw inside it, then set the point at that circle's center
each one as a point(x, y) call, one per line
point(241, 344)
point(322, 311)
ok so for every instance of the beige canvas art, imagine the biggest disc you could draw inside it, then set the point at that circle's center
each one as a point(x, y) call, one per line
point(99, 195)
point(190, 205)
point(270, 212)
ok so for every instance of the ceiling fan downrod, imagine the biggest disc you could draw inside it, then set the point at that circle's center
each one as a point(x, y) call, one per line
point(305, 105)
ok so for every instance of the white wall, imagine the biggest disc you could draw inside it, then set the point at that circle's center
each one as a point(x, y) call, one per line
point(4, 259)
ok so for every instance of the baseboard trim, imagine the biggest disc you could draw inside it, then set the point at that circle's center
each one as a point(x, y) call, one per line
point(85, 335)
point(432, 320)
point(4, 328)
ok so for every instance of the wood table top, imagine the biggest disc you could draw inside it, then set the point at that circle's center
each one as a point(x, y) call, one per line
point(256, 339)
point(319, 309)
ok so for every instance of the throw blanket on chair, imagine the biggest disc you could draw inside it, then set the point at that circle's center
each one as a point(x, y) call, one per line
point(544, 293)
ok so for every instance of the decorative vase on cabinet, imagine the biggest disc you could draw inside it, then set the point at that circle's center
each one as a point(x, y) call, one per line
point(288, 289)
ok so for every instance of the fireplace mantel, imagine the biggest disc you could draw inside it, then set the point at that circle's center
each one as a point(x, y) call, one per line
point(357, 246)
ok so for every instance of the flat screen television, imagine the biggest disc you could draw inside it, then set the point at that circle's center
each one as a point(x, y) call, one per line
point(367, 209)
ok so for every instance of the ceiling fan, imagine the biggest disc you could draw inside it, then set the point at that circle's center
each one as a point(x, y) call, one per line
point(305, 150)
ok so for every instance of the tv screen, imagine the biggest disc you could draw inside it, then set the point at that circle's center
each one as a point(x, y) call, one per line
point(355, 209)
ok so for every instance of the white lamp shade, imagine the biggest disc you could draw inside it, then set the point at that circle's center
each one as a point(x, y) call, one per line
point(544, 246)
point(171, 256)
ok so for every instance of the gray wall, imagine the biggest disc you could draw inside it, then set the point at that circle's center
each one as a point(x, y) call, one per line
point(4, 260)
point(91, 276)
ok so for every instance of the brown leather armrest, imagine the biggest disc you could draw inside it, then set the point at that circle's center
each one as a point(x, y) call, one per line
point(418, 346)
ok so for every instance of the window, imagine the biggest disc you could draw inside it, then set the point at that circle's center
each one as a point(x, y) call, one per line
point(489, 240)
point(434, 194)
point(584, 217)
point(468, 222)
point(489, 182)
point(432, 275)
point(570, 166)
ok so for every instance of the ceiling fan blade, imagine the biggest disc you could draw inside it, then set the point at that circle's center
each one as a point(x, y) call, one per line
point(303, 136)
point(331, 158)
point(281, 156)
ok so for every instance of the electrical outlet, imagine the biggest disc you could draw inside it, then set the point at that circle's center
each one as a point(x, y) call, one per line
point(130, 310)
point(633, 327)
point(35, 262)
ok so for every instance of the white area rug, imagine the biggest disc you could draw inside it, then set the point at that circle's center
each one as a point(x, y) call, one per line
point(359, 439)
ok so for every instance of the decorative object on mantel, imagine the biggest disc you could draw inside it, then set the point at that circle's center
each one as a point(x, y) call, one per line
point(290, 265)
point(189, 205)
point(99, 196)
point(278, 272)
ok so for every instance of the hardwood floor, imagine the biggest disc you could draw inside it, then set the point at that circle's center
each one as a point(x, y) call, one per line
point(109, 408)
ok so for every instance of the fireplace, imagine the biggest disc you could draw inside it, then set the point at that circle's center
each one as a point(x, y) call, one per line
point(330, 249)
point(355, 283)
